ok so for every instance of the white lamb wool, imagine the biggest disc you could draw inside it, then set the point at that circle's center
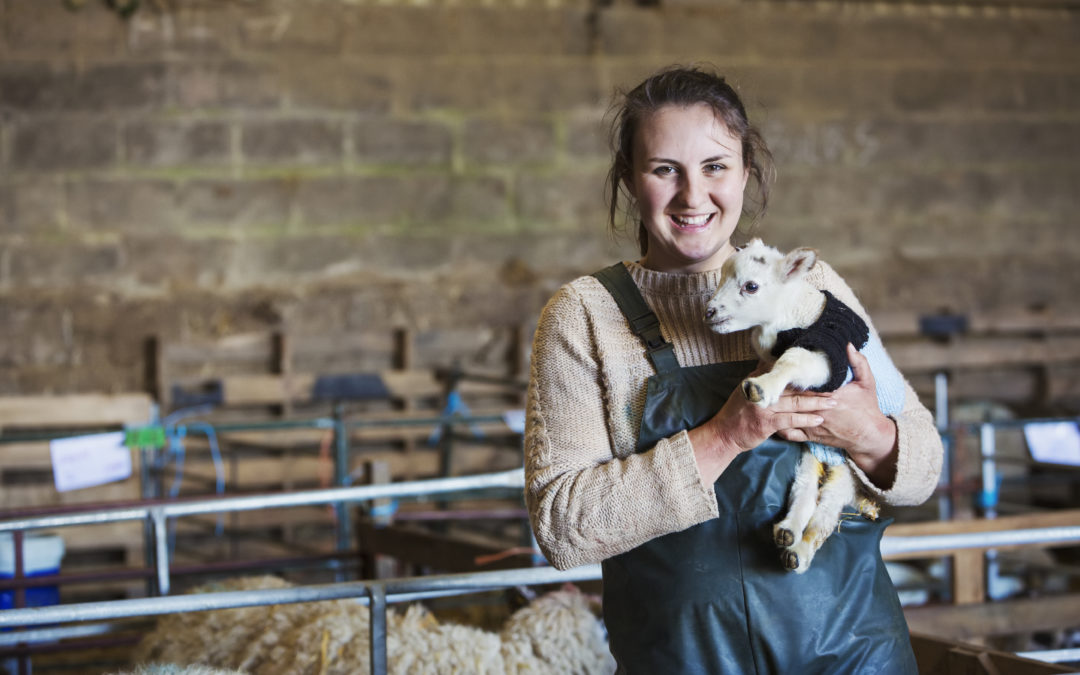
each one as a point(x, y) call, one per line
point(766, 291)
point(557, 633)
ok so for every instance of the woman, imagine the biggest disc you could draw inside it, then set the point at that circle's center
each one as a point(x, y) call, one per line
point(639, 456)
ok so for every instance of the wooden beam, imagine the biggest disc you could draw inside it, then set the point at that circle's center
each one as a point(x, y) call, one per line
point(1008, 617)
point(934, 655)
point(74, 410)
point(441, 552)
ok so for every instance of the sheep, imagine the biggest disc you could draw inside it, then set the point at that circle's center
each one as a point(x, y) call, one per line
point(766, 291)
point(556, 633)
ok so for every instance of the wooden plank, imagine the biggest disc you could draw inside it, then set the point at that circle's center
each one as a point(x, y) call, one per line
point(969, 577)
point(1067, 518)
point(983, 352)
point(441, 552)
point(1004, 320)
point(74, 410)
point(934, 655)
point(1007, 617)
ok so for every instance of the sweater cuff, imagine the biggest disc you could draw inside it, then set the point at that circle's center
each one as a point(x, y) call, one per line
point(910, 470)
point(677, 453)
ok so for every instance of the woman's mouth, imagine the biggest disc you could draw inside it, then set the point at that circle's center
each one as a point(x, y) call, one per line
point(690, 222)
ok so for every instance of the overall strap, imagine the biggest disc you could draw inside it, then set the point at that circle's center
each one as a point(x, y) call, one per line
point(643, 322)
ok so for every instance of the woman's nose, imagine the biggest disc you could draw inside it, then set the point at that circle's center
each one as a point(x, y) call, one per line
point(693, 191)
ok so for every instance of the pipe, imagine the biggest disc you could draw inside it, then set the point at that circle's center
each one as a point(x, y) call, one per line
point(397, 590)
point(514, 478)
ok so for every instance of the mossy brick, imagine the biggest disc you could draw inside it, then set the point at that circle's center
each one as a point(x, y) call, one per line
point(1000, 143)
point(354, 84)
point(410, 201)
point(292, 262)
point(935, 90)
point(587, 138)
point(60, 265)
point(412, 31)
point(837, 90)
point(382, 140)
point(176, 143)
point(33, 27)
point(122, 204)
point(32, 205)
point(63, 144)
point(235, 203)
point(282, 30)
point(166, 262)
point(1022, 91)
point(629, 31)
point(194, 31)
point(537, 86)
point(292, 141)
point(229, 84)
point(36, 87)
point(501, 141)
point(566, 200)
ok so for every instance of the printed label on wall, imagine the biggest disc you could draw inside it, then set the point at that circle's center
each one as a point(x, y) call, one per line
point(86, 461)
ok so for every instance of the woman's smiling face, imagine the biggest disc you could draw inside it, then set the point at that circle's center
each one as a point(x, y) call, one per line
point(688, 179)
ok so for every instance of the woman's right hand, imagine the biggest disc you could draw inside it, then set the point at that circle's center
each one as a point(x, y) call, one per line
point(741, 425)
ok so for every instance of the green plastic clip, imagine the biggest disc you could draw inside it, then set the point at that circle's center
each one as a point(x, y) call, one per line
point(145, 437)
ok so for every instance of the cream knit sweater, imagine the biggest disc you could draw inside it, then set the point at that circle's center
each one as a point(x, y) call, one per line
point(589, 494)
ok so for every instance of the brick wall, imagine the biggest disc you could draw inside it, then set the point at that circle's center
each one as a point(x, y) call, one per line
point(206, 167)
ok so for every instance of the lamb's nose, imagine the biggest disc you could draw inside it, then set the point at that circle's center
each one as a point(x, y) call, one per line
point(710, 312)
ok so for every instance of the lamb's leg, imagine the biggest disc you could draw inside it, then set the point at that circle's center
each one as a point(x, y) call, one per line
point(802, 500)
point(798, 367)
point(837, 490)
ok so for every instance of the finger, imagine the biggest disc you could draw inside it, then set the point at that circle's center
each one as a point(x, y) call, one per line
point(804, 401)
point(860, 366)
point(794, 435)
point(791, 421)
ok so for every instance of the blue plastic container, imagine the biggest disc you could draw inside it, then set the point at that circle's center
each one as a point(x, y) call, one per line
point(42, 554)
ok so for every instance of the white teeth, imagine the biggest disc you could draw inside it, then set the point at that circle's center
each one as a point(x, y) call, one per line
point(692, 220)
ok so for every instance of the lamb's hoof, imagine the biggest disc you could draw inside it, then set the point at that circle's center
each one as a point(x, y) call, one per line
point(783, 537)
point(790, 560)
point(752, 391)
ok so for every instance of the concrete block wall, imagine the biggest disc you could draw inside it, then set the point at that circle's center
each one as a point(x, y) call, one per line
point(213, 166)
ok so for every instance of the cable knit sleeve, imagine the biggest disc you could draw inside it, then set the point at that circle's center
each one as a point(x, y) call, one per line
point(589, 497)
point(919, 460)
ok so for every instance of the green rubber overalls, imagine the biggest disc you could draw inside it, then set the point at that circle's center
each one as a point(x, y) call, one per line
point(714, 598)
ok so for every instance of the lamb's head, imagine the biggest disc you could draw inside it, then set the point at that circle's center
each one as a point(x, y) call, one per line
point(756, 284)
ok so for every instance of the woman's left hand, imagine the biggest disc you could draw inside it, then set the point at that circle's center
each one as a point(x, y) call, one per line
point(856, 424)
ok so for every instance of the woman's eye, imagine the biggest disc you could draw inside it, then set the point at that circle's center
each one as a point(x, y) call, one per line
point(714, 168)
point(750, 287)
point(664, 170)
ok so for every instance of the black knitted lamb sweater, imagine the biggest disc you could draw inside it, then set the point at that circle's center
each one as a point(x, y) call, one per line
point(830, 333)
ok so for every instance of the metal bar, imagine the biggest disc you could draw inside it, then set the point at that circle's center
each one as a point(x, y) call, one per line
point(8, 639)
point(341, 476)
point(397, 590)
point(377, 626)
point(161, 548)
point(515, 478)
point(1053, 655)
point(944, 542)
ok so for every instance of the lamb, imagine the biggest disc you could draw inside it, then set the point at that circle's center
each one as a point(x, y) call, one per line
point(766, 291)
point(556, 633)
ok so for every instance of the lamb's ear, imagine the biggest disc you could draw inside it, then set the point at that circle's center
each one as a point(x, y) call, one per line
point(798, 262)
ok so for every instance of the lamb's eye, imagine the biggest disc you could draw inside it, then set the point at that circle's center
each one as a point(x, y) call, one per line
point(750, 287)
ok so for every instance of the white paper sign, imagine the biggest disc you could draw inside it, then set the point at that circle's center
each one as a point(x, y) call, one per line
point(1053, 442)
point(515, 419)
point(86, 461)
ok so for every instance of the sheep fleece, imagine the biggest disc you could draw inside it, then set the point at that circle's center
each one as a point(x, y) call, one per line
point(556, 634)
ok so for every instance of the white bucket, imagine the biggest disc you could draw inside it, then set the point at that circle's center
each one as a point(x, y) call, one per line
point(41, 557)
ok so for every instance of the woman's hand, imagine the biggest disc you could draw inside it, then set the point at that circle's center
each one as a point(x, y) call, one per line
point(856, 424)
point(741, 426)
